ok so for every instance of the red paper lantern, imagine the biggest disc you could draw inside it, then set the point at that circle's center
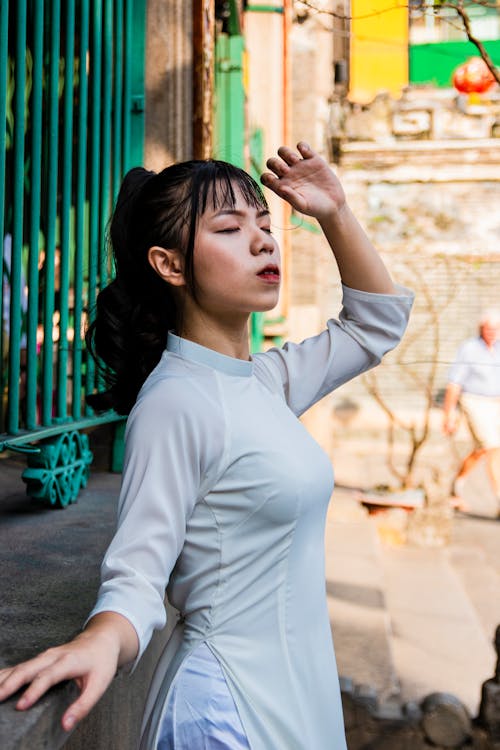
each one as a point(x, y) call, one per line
point(473, 76)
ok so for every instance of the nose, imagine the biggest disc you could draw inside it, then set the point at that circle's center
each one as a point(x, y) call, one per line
point(262, 242)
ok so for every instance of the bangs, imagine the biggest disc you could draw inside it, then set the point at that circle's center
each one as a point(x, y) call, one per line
point(215, 186)
point(202, 185)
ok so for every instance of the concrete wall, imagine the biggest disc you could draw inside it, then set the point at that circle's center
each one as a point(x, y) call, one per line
point(313, 47)
point(169, 83)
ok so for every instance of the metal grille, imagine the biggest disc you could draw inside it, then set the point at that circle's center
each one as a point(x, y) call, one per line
point(72, 99)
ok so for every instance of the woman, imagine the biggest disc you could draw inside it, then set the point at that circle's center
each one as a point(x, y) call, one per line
point(224, 493)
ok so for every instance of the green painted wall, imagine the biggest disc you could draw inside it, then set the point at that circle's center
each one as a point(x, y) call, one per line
point(229, 115)
point(435, 63)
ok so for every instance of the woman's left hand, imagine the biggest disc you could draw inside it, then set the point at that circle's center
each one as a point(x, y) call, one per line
point(305, 180)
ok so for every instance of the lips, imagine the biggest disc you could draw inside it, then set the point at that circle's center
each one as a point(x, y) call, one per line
point(270, 272)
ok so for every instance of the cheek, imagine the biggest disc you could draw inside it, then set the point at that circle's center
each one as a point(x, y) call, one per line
point(213, 261)
point(216, 275)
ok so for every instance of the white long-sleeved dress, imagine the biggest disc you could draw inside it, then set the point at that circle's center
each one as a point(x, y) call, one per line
point(224, 496)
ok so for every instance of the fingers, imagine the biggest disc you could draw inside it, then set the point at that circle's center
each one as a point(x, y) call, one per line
point(305, 150)
point(269, 180)
point(288, 157)
point(12, 679)
point(78, 710)
point(275, 184)
point(279, 166)
point(88, 660)
point(63, 668)
point(49, 669)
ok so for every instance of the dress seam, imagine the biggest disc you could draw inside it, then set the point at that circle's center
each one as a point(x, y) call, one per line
point(217, 586)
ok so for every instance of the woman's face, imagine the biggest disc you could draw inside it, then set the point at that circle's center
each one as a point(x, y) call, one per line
point(236, 260)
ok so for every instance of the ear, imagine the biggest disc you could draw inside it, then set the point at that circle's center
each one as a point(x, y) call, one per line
point(168, 264)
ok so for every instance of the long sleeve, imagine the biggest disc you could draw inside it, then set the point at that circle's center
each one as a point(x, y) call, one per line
point(369, 326)
point(174, 444)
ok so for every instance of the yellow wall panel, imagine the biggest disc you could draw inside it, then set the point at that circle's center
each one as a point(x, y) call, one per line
point(379, 48)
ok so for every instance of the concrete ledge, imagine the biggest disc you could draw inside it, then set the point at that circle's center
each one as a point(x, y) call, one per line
point(50, 575)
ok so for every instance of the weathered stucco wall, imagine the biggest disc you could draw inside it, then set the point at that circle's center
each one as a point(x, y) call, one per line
point(431, 208)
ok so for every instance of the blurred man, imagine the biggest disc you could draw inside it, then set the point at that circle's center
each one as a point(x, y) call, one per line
point(474, 381)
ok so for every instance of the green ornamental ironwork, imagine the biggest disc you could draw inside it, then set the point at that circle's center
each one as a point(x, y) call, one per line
point(60, 468)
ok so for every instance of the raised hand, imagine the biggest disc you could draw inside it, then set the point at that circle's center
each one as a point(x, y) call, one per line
point(304, 179)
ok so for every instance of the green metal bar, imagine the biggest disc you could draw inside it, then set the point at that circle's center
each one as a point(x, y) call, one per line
point(107, 83)
point(256, 331)
point(117, 98)
point(230, 98)
point(50, 246)
point(4, 24)
point(127, 85)
point(17, 222)
point(67, 159)
point(136, 105)
point(80, 214)
point(233, 26)
point(221, 100)
point(34, 216)
point(94, 176)
point(118, 451)
point(45, 432)
point(237, 97)
point(264, 9)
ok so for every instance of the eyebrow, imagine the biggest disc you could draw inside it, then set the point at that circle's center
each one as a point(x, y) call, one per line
point(242, 214)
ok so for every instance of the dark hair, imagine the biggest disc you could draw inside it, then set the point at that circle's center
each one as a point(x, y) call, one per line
point(137, 309)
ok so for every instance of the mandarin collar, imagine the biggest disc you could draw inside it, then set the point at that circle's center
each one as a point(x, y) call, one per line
point(203, 356)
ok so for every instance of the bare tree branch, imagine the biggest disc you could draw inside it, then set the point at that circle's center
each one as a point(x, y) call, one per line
point(480, 46)
point(345, 17)
point(457, 7)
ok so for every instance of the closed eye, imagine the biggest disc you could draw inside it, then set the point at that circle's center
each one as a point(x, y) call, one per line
point(229, 230)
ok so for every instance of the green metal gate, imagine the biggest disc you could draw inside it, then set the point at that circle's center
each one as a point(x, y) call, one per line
point(72, 99)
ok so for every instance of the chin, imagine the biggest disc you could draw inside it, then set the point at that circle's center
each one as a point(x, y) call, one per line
point(265, 308)
point(266, 305)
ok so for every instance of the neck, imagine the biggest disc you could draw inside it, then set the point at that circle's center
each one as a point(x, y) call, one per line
point(226, 337)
